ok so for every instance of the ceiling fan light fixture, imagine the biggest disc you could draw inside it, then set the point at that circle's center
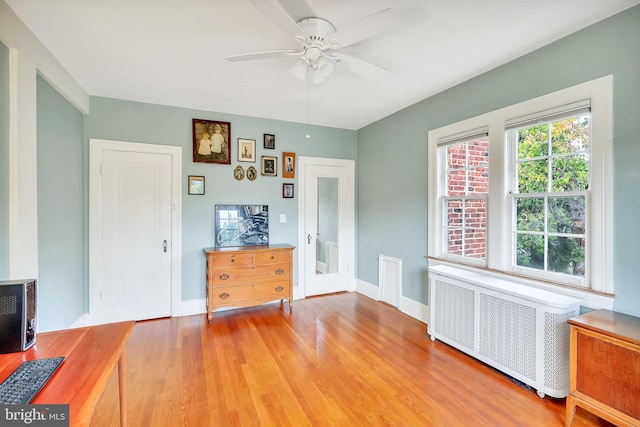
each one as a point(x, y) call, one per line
point(324, 67)
point(299, 70)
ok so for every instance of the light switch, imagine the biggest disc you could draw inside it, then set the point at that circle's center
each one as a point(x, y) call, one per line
point(283, 218)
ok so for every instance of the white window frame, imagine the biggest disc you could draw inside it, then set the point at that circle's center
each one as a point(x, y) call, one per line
point(501, 173)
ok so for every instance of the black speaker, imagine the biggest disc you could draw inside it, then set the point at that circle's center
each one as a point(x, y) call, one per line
point(17, 315)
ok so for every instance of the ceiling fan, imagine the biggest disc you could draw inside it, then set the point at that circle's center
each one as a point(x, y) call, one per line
point(319, 40)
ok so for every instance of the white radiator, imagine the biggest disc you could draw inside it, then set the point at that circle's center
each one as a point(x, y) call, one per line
point(517, 329)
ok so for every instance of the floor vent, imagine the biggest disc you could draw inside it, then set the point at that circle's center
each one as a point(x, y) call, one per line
point(517, 329)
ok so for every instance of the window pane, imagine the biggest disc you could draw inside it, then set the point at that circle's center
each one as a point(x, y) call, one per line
point(456, 156)
point(570, 173)
point(530, 214)
point(533, 141)
point(475, 217)
point(533, 176)
point(454, 241)
point(478, 181)
point(566, 255)
point(567, 215)
point(570, 135)
point(456, 182)
point(530, 251)
point(478, 152)
point(454, 213)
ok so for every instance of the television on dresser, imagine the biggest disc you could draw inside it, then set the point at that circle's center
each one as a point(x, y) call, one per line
point(241, 225)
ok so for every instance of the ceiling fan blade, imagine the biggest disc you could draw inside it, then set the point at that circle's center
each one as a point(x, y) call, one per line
point(359, 66)
point(297, 9)
point(365, 28)
point(274, 11)
point(262, 55)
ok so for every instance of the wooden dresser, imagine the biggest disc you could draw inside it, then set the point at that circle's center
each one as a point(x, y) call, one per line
point(249, 275)
point(605, 367)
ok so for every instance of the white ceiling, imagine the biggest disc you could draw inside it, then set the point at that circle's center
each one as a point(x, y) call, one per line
point(172, 52)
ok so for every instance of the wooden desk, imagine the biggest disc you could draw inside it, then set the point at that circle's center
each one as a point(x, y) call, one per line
point(91, 354)
point(605, 367)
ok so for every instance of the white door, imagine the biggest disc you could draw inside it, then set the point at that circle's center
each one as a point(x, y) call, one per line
point(133, 235)
point(326, 213)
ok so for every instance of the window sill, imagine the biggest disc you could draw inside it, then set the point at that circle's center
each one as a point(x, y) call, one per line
point(590, 299)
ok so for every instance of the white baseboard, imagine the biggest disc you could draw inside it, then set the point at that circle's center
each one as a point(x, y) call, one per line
point(82, 321)
point(192, 307)
point(413, 308)
point(367, 289)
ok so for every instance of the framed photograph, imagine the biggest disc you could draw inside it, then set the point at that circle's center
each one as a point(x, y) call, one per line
point(242, 225)
point(238, 173)
point(288, 165)
point(211, 141)
point(246, 150)
point(287, 191)
point(196, 185)
point(269, 141)
point(252, 173)
point(269, 166)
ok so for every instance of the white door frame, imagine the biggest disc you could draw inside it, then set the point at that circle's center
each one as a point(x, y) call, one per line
point(349, 206)
point(96, 149)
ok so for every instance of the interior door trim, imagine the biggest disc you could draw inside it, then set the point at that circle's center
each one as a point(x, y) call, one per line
point(96, 149)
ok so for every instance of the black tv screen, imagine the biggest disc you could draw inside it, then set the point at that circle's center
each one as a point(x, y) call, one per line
point(242, 225)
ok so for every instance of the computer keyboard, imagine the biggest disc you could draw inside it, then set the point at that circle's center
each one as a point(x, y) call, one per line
point(27, 380)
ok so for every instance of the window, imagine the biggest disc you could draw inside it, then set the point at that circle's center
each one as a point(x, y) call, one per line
point(526, 190)
point(550, 191)
point(466, 185)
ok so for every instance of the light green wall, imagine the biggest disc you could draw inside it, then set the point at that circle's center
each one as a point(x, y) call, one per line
point(392, 153)
point(4, 162)
point(137, 122)
point(61, 210)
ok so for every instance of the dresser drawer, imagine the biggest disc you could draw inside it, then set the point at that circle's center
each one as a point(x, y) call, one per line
point(227, 276)
point(228, 295)
point(272, 257)
point(232, 260)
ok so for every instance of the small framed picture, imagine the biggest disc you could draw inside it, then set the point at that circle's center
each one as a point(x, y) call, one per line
point(269, 141)
point(288, 165)
point(238, 173)
point(269, 166)
point(196, 185)
point(287, 191)
point(211, 141)
point(246, 150)
point(252, 173)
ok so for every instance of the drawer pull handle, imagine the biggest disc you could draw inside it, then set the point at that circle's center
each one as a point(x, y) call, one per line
point(224, 276)
point(224, 295)
point(279, 271)
point(279, 289)
point(273, 257)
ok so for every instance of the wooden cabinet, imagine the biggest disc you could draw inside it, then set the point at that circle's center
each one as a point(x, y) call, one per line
point(250, 275)
point(605, 367)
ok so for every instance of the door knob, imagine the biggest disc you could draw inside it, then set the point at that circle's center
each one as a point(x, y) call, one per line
point(308, 239)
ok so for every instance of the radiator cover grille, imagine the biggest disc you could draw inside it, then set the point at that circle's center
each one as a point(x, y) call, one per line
point(508, 334)
point(514, 328)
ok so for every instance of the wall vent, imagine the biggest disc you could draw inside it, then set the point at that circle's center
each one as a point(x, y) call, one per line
point(515, 328)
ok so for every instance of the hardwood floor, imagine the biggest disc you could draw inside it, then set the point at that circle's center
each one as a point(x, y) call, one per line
point(337, 360)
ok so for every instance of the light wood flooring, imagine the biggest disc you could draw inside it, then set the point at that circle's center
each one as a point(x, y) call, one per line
point(337, 360)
